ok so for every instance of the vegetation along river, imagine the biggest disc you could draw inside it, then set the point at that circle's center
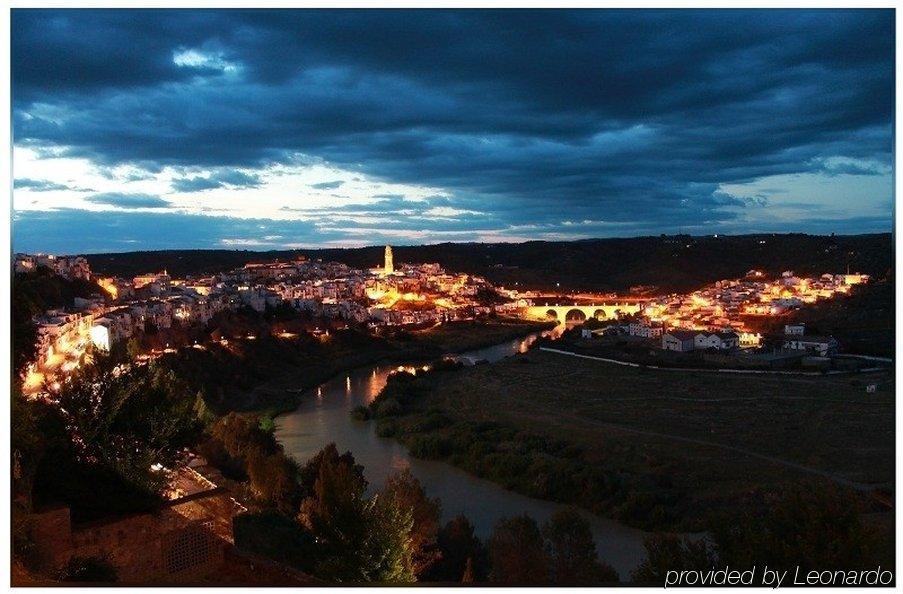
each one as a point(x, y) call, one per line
point(325, 417)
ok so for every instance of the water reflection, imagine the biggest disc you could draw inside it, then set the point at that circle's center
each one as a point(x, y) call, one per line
point(317, 421)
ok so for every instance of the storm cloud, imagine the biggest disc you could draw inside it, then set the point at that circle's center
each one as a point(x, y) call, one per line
point(127, 201)
point(642, 119)
point(219, 179)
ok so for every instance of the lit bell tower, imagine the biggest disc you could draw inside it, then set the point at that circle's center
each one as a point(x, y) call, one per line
point(389, 267)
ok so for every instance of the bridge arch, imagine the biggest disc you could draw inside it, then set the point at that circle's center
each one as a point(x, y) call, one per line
point(564, 313)
point(575, 315)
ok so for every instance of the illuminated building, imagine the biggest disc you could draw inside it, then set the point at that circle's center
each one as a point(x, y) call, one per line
point(69, 267)
point(109, 285)
point(100, 337)
point(388, 267)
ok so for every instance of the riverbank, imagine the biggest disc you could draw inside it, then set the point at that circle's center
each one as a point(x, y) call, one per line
point(652, 449)
point(285, 390)
point(325, 416)
point(454, 338)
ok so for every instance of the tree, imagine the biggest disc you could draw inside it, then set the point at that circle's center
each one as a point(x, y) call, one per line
point(127, 418)
point(311, 471)
point(241, 436)
point(133, 348)
point(516, 552)
point(337, 514)
point(814, 526)
point(668, 552)
point(203, 413)
point(240, 445)
point(274, 480)
point(468, 577)
point(389, 548)
point(462, 553)
point(406, 492)
point(359, 539)
point(27, 441)
point(573, 559)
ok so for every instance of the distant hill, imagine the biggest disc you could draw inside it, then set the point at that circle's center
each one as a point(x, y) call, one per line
point(670, 263)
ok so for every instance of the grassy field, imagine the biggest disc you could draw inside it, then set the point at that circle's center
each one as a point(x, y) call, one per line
point(708, 441)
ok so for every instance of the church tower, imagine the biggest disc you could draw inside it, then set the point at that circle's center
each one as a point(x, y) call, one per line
point(389, 267)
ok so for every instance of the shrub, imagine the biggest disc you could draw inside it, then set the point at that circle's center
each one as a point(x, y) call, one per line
point(517, 552)
point(88, 569)
point(360, 413)
point(431, 422)
point(428, 447)
point(389, 408)
point(276, 537)
point(386, 428)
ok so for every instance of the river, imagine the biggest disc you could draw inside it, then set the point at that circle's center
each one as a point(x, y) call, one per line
point(324, 416)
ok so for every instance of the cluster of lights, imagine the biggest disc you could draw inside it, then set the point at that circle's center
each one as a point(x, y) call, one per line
point(703, 308)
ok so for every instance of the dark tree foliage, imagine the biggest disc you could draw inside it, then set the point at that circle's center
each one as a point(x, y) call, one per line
point(488, 296)
point(530, 463)
point(814, 527)
point(330, 454)
point(282, 312)
point(242, 448)
point(94, 449)
point(127, 418)
point(47, 469)
point(97, 570)
point(359, 539)
point(26, 439)
point(668, 552)
point(276, 536)
point(462, 553)
point(226, 375)
point(517, 552)
point(573, 559)
point(274, 480)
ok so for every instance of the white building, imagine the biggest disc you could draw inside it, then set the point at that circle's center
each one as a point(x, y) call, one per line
point(750, 340)
point(794, 329)
point(100, 335)
point(819, 345)
point(69, 267)
point(644, 330)
point(682, 341)
point(722, 341)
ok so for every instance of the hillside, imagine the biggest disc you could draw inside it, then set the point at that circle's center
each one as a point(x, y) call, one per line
point(670, 263)
point(862, 322)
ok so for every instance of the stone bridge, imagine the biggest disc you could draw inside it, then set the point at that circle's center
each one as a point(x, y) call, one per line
point(580, 312)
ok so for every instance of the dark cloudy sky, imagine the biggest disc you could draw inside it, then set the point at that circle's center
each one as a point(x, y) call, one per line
point(189, 128)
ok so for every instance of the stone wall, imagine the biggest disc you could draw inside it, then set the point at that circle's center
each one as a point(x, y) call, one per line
point(184, 539)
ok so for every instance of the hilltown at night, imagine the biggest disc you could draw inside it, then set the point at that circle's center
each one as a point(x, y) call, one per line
point(414, 295)
point(311, 297)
